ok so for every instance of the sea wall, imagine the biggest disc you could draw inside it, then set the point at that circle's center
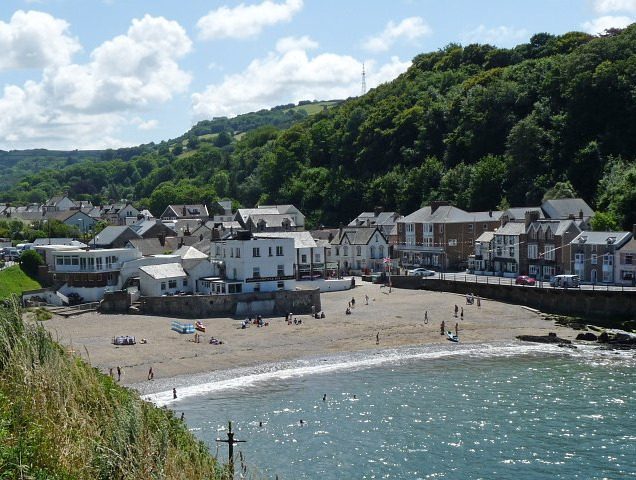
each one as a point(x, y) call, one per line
point(243, 304)
point(571, 301)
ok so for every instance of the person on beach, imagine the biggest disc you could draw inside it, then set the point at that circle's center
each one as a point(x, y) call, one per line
point(182, 416)
point(151, 374)
point(353, 302)
point(441, 328)
point(456, 329)
point(174, 393)
point(426, 317)
point(118, 373)
point(462, 314)
point(478, 302)
point(456, 309)
point(377, 338)
point(366, 299)
point(110, 372)
point(324, 397)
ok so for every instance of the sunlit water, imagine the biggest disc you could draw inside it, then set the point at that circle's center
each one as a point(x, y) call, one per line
point(455, 411)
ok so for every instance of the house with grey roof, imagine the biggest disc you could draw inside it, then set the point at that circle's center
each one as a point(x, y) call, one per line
point(114, 236)
point(58, 204)
point(165, 279)
point(386, 221)
point(594, 255)
point(272, 218)
point(441, 236)
point(625, 264)
point(569, 208)
point(181, 212)
point(359, 250)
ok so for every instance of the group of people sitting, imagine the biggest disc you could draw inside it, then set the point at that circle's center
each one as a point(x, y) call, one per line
point(258, 321)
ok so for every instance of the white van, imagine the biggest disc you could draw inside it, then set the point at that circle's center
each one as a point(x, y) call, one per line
point(566, 281)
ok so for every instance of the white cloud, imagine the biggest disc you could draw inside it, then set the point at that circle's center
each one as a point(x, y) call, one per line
point(410, 29)
point(149, 125)
point(80, 105)
point(607, 6)
point(294, 43)
point(600, 24)
point(289, 77)
point(501, 36)
point(35, 40)
point(246, 20)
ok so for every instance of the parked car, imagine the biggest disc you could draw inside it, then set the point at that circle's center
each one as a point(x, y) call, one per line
point(421, 272)
point(525, 280)
point(10, 253)
point(565, 281)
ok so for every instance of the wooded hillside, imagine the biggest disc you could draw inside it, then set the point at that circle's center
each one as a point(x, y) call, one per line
point(479, 126)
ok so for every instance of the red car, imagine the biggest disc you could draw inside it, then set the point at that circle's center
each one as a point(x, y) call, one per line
point(525, 280)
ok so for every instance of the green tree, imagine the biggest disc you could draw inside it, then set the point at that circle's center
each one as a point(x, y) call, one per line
point(30, 260)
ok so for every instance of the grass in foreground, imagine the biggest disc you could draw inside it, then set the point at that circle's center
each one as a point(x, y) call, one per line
point(14, 281)
point(62, 419)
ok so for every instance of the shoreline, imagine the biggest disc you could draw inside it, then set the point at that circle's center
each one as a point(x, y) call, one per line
point(396, 318)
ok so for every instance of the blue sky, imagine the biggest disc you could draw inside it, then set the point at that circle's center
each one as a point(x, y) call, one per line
point(112, 73)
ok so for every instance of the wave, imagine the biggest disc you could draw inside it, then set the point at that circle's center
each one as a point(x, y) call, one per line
point(257, 376)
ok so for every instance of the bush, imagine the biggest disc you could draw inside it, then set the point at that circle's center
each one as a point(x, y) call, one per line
point(30, 261)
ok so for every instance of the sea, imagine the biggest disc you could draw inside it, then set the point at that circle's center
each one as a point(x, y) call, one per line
point(448, 411)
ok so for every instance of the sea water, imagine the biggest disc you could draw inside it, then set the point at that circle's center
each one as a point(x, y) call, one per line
point(491, 411)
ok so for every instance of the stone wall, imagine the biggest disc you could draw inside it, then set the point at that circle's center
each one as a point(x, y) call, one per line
point(115, 302)
point(268, 304)
point(602, 304)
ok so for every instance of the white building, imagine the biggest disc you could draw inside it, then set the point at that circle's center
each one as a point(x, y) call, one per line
point(310, 258)
point(166, 279)
point(251, 264)
point(359, 249)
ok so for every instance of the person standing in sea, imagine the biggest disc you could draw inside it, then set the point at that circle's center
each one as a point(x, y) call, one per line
point(377, 338)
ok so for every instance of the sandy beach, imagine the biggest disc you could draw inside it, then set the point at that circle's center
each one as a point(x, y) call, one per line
point(397, 318)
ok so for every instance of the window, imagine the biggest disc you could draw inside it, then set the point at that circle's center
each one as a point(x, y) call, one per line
point(303, 258)
point(337, 251)
point(441, 228)
point(256, 252)
point(499, 251)
point(470, 242)
point(317, 257)
point(257, 287)
point(280, 285)
point(470, 228)
point(499, 239)
point(184, 283)
point(172, 284)
point(511, 251)
point(280, 271)
point(359, 251)
point(533, 233)
point(376, 238)
point(485, 227)
point(269, 251)
point(238, 252)
point(608, 260)
point(163, 286)
point(594, 259)
point(428, 228)
point(234, 272)
point(629, 259)
point(346, 251)
point(549, 235)
point(548, 252)
point(511, 240)
point(256, 272)
point(533, 270)
point(98, 263)
point(579, 257)
point(381, 251)
point(452, 242)
point(372, 251)
point(279, 251)
point(533, 250)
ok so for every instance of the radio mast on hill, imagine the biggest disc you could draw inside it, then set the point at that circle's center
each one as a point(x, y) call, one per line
point(364, 81)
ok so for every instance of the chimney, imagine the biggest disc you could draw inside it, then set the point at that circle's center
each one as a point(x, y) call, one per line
point(330, 238)
point(490, 213)
point(184, 210)
point(581, 214)
point(438, 203)
point(377, 211)
point(531, 216)
point(340, 227)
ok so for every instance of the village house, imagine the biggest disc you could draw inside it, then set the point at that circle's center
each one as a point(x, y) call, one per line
point(250, 264)
point(385, 221)
point(124, 213)
point(270, 218)
point(182, 212)
point(625, 273)
point(113, 237)
point(594, 255)
point(359, 250)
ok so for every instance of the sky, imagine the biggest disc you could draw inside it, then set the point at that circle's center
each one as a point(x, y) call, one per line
point(95, 74)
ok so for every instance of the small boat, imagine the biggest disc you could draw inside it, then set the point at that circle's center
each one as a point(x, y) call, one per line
point(199, 326)
point(451, 337)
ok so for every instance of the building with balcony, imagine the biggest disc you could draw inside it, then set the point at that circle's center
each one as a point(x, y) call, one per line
point(310, 259)
point(359, 250)
point(248, 263)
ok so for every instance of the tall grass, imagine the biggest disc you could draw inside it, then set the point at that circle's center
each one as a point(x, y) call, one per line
point(62, 419)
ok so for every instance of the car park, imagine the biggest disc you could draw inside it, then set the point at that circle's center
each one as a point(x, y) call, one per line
point(421, 272)
point(525, 280)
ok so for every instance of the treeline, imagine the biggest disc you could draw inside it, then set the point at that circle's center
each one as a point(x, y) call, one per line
point(479, 126)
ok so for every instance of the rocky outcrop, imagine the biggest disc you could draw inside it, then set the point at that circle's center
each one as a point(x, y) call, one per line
point(588, 336)
point(549, 338)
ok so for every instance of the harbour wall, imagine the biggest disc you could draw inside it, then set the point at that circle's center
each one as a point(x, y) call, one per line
point(235, 305)
point(604, 304)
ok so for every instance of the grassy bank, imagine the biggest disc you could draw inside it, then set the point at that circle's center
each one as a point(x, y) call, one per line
point(62, 419)
point(14, 281)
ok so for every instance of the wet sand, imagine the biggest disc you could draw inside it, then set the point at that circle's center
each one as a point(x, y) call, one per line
point(397, 318)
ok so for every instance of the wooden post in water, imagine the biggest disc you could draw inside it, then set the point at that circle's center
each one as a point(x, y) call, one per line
point(230, 445)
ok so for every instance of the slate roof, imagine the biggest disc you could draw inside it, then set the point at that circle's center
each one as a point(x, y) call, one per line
point(355, 235)
point(601, 238)
point(512, 228)
point(486, 237)
point(564, 207)
point(58, 241)
point(519, 213)
point(272, 220)
point(188, 252)
point(148, 246)
point(301, 239)
point(167, 270)
point(111, 233)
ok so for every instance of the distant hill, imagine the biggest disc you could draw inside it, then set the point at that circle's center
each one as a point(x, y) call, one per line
point(479, 126)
